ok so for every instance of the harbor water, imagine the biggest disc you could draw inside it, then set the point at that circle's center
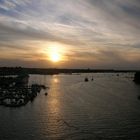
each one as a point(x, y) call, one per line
point(106, 107)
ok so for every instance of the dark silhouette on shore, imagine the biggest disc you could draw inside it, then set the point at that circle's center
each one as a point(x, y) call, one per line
point(15, 91)
point(51, 71)
point(137, 78)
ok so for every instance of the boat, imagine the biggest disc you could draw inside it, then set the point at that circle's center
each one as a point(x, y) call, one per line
point(86, 79)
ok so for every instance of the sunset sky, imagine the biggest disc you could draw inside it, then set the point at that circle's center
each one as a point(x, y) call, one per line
point(70, 33)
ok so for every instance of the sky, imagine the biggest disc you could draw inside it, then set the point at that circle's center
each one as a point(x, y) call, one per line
point(100, 34)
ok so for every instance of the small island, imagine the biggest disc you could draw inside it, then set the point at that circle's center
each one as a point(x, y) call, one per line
point(15, 91)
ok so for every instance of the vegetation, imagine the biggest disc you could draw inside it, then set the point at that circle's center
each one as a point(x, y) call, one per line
point(50, 71)
point(137, 77)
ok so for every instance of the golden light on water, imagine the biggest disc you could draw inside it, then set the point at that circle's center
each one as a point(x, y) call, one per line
point(55, 80)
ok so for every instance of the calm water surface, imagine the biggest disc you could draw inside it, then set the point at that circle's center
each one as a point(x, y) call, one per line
point(106, 108)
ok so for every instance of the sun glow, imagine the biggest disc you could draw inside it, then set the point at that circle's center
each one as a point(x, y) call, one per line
point(55, 52)
point(55, 57)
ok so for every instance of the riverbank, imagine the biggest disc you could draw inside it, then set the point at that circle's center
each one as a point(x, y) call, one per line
point(51, 71)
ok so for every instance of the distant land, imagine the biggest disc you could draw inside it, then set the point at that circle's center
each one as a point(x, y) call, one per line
point(51, 71)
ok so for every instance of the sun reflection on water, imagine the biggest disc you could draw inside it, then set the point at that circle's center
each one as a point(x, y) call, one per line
point(55, 80)
point(54, 108)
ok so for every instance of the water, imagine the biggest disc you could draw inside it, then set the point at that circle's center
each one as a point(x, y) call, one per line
point(106, 108)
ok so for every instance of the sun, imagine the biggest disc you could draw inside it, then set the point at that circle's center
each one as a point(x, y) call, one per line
point(55, 53)
point(55, 56)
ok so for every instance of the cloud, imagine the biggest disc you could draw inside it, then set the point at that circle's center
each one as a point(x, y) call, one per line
point(82, 26)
